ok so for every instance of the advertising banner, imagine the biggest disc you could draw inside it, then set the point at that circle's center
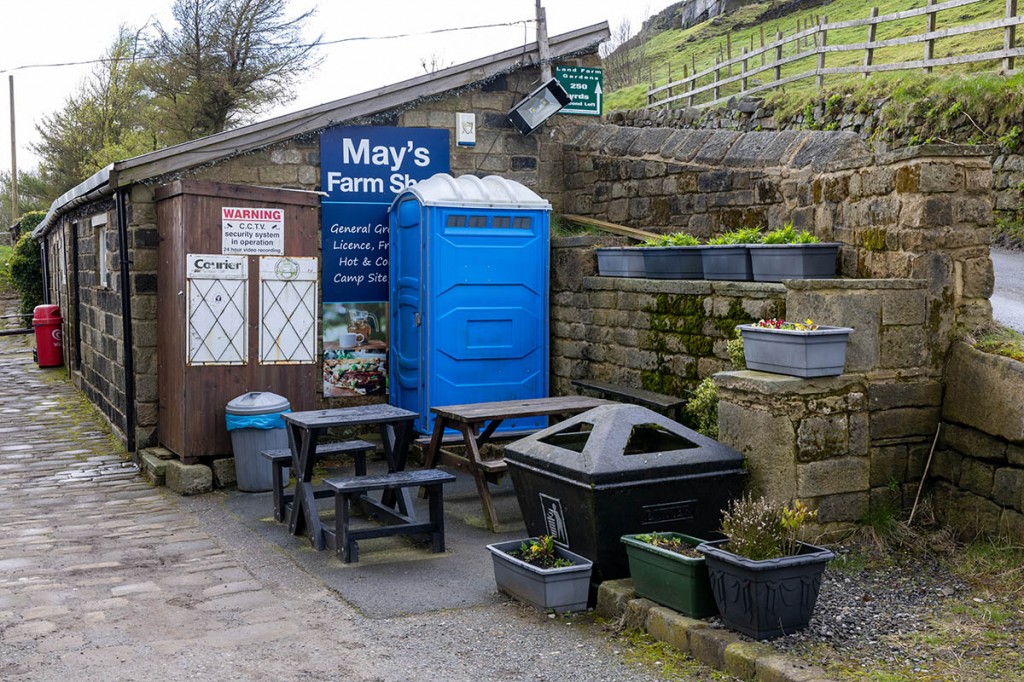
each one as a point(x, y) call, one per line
point(362, 169)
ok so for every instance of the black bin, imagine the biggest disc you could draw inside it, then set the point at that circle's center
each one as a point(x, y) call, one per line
point(617, 470)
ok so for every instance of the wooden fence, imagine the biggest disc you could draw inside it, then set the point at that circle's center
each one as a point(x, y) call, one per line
point(696, 89)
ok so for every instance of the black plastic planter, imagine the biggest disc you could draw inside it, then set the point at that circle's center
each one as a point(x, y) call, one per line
point(726, 262)
point(769, 598)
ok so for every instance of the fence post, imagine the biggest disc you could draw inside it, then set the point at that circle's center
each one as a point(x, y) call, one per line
point(728, 50)
point(762, 42)
point(929, 45)
point(718, 60)
point(744, 72)
point(1009, 35)
point(778, 55)
point(869, 53)
point(689, 85)
point(821, 49)
point(670, 81)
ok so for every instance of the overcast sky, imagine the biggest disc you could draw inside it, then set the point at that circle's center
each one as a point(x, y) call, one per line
point(60, 31)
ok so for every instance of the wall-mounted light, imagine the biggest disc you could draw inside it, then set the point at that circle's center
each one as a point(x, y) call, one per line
point(539, 106)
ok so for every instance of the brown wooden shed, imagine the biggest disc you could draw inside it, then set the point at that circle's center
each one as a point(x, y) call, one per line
point(193, 394)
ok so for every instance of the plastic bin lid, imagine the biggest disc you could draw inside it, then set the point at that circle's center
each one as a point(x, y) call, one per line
point(46, 312)
point(257, 402)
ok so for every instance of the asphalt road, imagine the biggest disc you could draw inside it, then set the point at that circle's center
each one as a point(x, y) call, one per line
point(1008, 297)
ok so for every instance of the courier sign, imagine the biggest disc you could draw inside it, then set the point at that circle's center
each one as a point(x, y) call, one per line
point(258, 231)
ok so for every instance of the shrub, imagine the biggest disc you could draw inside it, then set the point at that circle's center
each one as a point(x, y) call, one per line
point(702, 408)
point(26, 267)
point(760, 529)
point(787, 234)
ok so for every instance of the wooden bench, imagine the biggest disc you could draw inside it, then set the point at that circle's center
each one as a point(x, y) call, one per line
point(347, 490)
point(637, 396)
point(282, 458)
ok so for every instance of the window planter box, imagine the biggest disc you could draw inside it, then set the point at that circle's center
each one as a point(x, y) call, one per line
point(673, 262)
point(817, 353)
point(561, 589)
point(620, 261)
point(669, 578)
point(726, 261)
point(769, 598)
point(778, 262)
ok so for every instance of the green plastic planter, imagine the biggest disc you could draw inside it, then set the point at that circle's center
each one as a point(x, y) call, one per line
point(671, 579)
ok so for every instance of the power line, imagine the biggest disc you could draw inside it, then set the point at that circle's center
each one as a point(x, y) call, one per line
point(109, 60)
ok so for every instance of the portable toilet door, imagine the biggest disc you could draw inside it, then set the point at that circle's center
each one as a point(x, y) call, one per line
point(469, 295)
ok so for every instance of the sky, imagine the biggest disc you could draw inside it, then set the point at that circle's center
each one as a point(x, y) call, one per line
point(61, 31)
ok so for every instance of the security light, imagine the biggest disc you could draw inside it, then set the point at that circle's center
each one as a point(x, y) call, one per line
point(539, 106)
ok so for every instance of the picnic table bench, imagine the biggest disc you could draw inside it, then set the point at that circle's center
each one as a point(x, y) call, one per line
point(476, 423)
point(638, 396)
point(282, 457)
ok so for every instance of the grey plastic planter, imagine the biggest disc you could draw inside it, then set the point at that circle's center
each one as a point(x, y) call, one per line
point(817, 353)
point(778, 262)
point(620, 261)
point(768, 598)
point(726, 261)
point(561, 589)
point(673, 262)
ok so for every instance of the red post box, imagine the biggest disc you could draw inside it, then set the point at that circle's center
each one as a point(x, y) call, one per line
point(49, 349)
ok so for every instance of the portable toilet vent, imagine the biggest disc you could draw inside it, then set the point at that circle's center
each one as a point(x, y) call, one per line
point(469, 295)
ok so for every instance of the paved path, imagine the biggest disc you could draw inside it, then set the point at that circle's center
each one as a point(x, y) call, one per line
point(103, 577)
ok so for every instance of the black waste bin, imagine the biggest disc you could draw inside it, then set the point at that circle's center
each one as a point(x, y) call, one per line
point(617, 470)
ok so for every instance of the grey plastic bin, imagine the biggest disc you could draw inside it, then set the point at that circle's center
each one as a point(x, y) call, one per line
point(255, 473)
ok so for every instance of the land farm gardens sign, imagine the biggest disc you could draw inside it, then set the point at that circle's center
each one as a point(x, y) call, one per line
point(362, 169)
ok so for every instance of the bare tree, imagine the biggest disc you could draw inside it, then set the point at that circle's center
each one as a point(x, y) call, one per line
point(434, 62)
point(626, 56)
point(226, 61)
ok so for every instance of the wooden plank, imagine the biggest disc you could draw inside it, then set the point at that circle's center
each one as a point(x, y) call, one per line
point(633, 232)
point(537, 407)
point(640, 395)
point(349, 416)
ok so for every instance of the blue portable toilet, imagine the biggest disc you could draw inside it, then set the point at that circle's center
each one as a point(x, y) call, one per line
point(469, 295)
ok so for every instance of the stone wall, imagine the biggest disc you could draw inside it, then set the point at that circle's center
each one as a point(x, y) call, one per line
point(914, 228)
point(748, 115)
point(978, 468)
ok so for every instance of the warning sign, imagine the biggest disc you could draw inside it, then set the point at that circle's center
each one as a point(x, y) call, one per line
point(258, 231)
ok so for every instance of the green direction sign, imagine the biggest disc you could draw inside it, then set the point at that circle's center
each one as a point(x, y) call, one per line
point(584, 86)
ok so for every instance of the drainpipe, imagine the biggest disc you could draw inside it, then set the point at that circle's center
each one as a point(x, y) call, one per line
point(126, 324)
point(45, 266)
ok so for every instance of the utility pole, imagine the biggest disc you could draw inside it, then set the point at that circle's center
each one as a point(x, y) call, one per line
point(542, 43)
point(14, 159)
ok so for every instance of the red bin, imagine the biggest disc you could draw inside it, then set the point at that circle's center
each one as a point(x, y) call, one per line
point(49, 348)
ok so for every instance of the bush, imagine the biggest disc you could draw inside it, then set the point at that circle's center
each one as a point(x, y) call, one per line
point(26, 266)
point(702, 409)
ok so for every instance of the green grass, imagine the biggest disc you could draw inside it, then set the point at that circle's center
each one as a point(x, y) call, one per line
point(1000, 340)
point(698, 46)
point(5, 271)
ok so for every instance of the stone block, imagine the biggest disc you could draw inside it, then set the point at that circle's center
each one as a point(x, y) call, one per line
point(741, 658)
point(188, 479)
point(978, 278)
point(224, 472)
point(821, 438)
point(845, 508)
point(940, 177)
point(903, 422)
point(903, 347)
point(612, 597)
point(904, 307)
point(153, 468)
point(1015, 455)
point(833, 477)
point(986, 392)
point(977, 476)
point(973, 443)
point(905, 394)
point(667, 626)
point(769, 444)
point(1007, 487)
point(947, 465)
point(708, 645)
point(785, 668)
point(973, 515)
point(1011, 526)
point(888, 465)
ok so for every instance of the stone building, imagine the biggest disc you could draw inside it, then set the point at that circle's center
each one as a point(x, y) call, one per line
point(103, 238)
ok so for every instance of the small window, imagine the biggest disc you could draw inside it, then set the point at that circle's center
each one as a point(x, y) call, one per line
point(456, 221)
point(478, 221)
point(521, 222)
point(501, 221)
point(99, 223)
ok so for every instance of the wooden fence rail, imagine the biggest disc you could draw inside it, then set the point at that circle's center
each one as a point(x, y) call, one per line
point(769, 57)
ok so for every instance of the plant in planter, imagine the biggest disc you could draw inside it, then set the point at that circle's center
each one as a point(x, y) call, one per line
point(667, 569)
point(764, 579)
point(786, 253)
point(801, 349)
point(539, 572)
point(727, 257)
point(673, 256)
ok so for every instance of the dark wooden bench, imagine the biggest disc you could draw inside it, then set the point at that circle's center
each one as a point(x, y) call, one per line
point(348, 490)
point(282, 458)
point(638, 396)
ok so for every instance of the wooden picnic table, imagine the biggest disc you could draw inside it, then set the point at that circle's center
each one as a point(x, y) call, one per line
point(305, 429)
point(477, 423)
